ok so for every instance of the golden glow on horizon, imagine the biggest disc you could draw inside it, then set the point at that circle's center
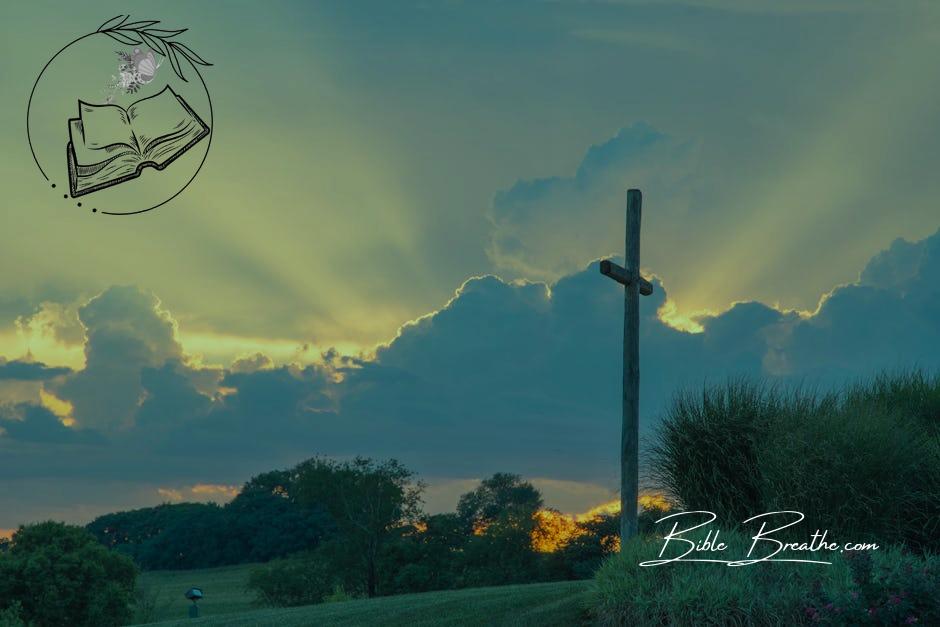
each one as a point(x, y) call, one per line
point(610, 507)
point(554, 530)
point(211, 489)
point(212, 492)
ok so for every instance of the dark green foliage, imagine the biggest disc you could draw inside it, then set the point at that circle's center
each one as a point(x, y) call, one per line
point(895, 586)
point(584, 554)
point(423, 557)
point(166, 536)
point(261, 523)
point(300, 580)
point(864, 462)
point(500, 496)
point(265, 525)
point(902, 590)
point(10, 616)
point(706, 449)
point(499, 518)
point(368, 500)
point(59, 575)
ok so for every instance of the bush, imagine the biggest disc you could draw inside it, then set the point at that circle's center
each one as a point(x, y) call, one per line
point(705, 453)
point(864, 462)
point(60, 575)
point(10, 616)
point(896, 589)
point(899, 587)
point(300, 580)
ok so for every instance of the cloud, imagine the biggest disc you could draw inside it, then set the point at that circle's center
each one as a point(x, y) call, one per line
point(56, 320)
point(547, 227)
point(526, 377)
point(18, 370)
point(887, 319)
point(127, 330)
point(507, 376)
point(33, 423)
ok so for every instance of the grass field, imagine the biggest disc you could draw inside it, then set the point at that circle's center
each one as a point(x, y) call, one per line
point(224, 589)
point(227, 603)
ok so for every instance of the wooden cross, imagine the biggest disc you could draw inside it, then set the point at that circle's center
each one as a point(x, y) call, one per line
point(633, 286)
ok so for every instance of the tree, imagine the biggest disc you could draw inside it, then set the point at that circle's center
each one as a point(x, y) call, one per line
point(367, 500)
point(263, 522)
point(168, 536)
point(264, 525)
point(599, 538)
point(500, 517)
point(423, 557)
point(60, 575)
point(500, 496)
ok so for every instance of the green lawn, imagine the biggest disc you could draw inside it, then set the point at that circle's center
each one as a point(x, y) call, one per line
point(227, 603)
point(224, 589)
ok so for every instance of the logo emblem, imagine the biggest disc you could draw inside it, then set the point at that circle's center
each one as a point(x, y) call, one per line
point(119, 120)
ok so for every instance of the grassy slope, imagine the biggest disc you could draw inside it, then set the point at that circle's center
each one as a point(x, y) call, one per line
point(224, 589)
point(227, 603)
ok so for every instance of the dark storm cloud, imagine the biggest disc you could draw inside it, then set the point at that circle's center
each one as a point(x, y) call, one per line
point(31, 423)
point(17, 370)
point(267, 413)
point(507, 376)
point(518, 376)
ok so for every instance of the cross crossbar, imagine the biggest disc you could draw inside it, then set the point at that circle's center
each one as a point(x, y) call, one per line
point(620, 275)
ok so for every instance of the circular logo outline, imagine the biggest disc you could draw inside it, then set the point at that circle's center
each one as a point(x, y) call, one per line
point(102, 31)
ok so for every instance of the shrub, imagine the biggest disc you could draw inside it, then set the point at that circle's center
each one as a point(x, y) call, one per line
point(300, 580)
point(338, 595)
point(701, 593)
point(705, 452)
point(10, 616)
point(864, 462)
point(60, 575)
point(885, 587)
point(892, 589)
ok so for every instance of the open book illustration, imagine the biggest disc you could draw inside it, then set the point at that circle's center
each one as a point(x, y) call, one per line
point(109, 144)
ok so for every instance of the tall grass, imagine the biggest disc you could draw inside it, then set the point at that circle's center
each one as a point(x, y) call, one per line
point(863, 461)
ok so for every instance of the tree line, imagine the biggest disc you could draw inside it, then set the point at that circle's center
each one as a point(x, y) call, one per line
point(357, 528)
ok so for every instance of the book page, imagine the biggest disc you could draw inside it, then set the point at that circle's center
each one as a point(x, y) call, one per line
point(86, 156)
point(159, 118)
point(96, 166)
point(105, 125)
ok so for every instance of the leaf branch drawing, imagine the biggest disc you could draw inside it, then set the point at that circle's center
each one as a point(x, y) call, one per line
point(159, 40)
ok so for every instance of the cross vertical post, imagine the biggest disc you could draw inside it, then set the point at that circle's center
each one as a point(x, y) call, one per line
point(633, 286)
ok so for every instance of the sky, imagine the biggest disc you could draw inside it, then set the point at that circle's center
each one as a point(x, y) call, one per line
point(391, 249)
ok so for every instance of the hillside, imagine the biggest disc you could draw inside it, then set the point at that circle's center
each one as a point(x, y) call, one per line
point(227, 603)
